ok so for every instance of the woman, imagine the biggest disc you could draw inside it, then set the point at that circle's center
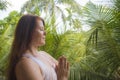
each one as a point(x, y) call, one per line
point(26, 62)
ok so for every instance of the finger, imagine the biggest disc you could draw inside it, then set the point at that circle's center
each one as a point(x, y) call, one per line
point(62, 63)
point(59, 60)
point(56, 67)
point(63, 56)
point(68, 65)
point(65, 63)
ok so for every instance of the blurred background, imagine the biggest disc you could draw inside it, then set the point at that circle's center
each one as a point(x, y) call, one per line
point(87, 32)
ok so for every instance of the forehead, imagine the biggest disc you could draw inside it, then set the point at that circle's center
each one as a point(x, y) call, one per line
point(40, 23)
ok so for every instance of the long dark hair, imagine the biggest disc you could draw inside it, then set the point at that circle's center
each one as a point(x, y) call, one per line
point(22, 39)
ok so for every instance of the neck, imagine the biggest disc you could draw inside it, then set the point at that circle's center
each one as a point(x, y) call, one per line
point(33, 50)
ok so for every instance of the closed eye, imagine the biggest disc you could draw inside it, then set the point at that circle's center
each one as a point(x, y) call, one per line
point(42, 29)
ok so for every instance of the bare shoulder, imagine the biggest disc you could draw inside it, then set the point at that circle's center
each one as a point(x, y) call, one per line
point(26, 69)
point(25, 63)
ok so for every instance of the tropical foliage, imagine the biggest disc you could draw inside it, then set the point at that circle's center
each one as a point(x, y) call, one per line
point(93, 54)
point(7, 27)
point(3, 4)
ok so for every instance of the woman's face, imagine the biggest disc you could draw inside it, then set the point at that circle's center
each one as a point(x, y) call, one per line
point(39, 34)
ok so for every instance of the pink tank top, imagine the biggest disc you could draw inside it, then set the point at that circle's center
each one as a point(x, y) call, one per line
point(48, 73)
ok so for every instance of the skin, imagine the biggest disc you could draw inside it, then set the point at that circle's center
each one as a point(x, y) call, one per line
point(26, 69)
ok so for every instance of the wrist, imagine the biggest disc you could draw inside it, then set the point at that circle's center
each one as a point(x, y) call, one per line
point(65, 78)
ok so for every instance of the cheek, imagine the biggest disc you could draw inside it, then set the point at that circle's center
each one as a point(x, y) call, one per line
point(37, 35)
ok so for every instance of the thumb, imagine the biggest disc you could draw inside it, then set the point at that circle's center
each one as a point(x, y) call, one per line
point(56, 67)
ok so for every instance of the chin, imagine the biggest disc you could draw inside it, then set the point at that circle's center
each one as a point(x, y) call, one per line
point(42, 44)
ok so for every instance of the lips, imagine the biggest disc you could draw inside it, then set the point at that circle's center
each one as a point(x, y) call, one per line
point(43, 37)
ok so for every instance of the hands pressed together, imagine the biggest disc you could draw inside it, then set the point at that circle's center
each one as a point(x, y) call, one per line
point(62, 69)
